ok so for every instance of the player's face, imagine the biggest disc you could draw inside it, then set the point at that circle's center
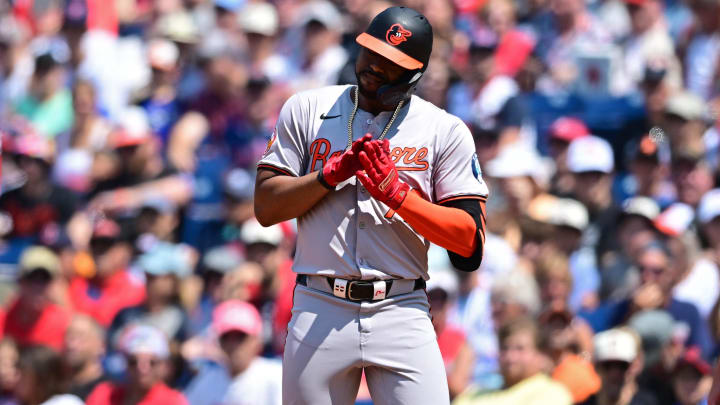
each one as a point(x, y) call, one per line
point(373, 71)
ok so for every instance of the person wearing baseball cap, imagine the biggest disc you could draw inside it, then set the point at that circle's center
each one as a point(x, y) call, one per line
point(256, 380)
point(618, 361)
point(635, 223)
point(38, 201)
point(591, 161)
point(691, 378)
point(108, 286)
point(563, 131)
point(645, 159)
point(146, 352)
point(164, 265)
point(32, 317)
point(690, 170)
point(322, 57)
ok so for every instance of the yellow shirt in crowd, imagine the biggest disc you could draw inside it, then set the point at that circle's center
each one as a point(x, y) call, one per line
point(536, 390)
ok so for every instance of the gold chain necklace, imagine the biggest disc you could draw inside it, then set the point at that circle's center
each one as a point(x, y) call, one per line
point(352, 117)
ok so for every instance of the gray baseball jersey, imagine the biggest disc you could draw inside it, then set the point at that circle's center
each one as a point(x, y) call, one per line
point(348, 234)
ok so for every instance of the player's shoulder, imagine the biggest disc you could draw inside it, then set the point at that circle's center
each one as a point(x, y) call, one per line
point(436, 114)
point(320, 94)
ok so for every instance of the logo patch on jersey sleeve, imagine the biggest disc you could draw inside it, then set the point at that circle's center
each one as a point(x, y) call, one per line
point(477, 172)
point(270, 142)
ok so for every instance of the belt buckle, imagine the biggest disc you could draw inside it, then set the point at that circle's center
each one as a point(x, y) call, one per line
point(350, 290)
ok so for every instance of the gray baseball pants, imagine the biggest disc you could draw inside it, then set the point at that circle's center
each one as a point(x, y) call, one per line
point(331, 340)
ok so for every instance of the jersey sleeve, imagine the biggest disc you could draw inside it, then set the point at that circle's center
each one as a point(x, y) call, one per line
point(286, 150)
point(457, 172)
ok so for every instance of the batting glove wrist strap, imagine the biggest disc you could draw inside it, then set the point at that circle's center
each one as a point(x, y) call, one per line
point(321, 180)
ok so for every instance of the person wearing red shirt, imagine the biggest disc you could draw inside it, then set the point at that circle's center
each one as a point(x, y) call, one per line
point(442, 290)
point(146, 352)
point(112, 288)
point(32, 318)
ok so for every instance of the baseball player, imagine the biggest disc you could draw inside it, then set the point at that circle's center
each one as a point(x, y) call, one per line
point(373, 174)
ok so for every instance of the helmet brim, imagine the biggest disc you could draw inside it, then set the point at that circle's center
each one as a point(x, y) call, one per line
point(388, 51)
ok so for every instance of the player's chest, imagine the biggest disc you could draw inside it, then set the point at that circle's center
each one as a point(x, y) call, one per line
point(410, 146)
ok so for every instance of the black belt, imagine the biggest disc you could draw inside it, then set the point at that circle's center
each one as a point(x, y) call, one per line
point(360, 290)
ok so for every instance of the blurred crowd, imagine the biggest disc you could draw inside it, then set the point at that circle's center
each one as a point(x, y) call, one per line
point(133, 271)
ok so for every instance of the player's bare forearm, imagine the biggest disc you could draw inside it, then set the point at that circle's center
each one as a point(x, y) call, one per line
point(279, 198)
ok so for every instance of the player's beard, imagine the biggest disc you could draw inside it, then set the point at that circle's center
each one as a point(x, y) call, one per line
point(369, 94)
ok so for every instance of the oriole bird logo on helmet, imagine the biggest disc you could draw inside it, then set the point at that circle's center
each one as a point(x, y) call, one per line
point(397, 34)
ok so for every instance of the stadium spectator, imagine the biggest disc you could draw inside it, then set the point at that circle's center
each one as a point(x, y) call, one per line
point(647, 172)
point(32, 317)
point(454, 347)
point(165, 266)
point(109, 287)
point(48, 102)
point(701, 59)
point(618, 363)
point(691, 379)
point(635, 229)
point(139, 168)
point(487, 98)
point(555, 282)
point(691, 174)
point(9, 373)
point(655, 292)
point(693, 267)
point(146, 352)
point(260, 23)
point(521, 365)
point(649, 42)
point(82, 355)
point(565, 341)
point(569, 219)
point(255, 379)
point(663, 343)
point(319, 57)
point(216, 263)
point(37, 202)
point(42, 381)
point(592, 162)
point(563, 131)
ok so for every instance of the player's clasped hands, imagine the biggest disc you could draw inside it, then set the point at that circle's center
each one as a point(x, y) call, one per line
point(342, 167)
point(379, 175)
point(369, 160)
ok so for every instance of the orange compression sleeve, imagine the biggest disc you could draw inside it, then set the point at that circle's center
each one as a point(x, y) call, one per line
point(448, 227)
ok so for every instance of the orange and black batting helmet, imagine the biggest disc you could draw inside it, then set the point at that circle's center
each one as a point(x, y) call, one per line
point(405, 37)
